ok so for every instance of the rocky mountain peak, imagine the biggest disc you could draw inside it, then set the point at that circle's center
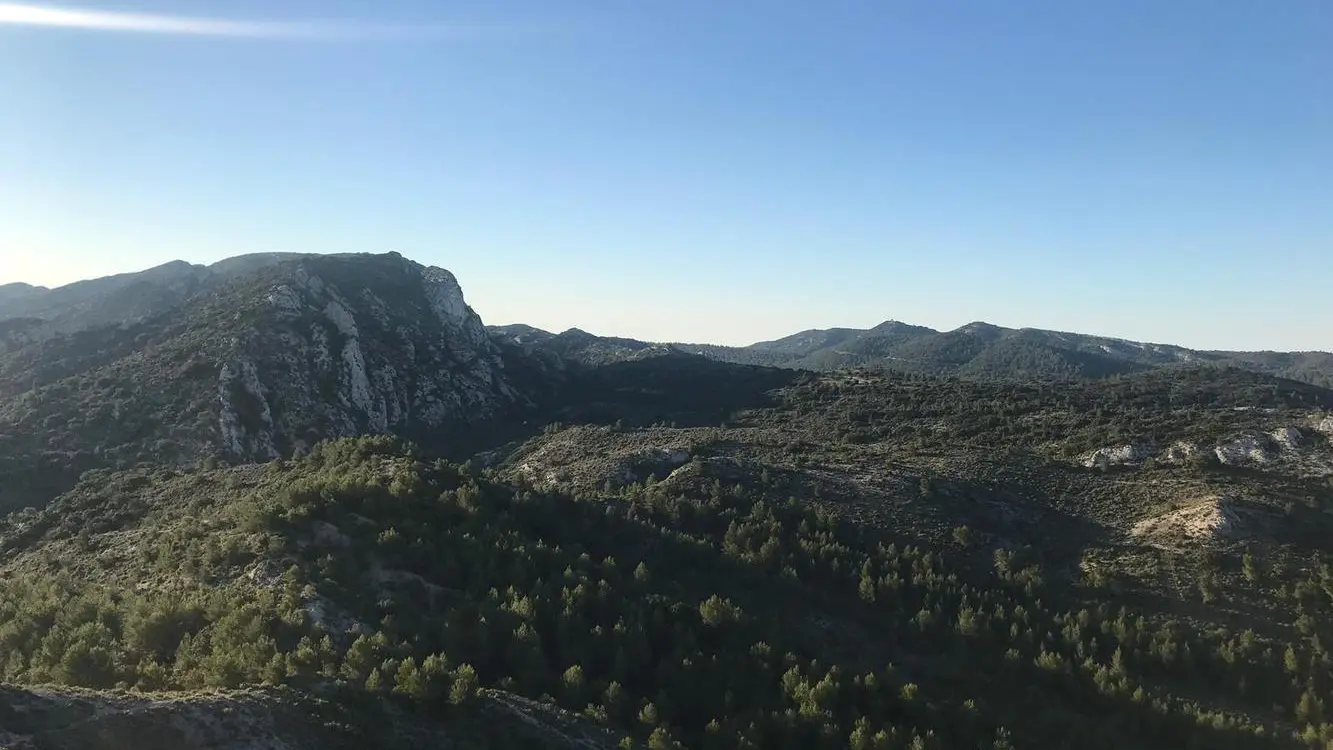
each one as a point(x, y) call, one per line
point(354, 344)
point(249, 359)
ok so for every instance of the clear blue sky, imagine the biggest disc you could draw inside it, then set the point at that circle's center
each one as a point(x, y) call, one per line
point(697, 170)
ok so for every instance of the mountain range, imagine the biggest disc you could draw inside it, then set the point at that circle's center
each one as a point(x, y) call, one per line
point(299, 501)
point(260, 356)
point(976, 350)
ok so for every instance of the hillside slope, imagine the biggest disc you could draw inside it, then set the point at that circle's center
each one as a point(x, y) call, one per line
point(260, 366)
point(850, 560)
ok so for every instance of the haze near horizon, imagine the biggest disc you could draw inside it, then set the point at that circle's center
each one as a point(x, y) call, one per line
point(702, 173)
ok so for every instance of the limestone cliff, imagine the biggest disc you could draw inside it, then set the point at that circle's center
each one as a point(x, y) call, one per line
point(347, 346)
point(264, 358)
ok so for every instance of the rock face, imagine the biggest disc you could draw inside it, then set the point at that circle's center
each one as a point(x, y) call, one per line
point(349, 346)
point(251, 359)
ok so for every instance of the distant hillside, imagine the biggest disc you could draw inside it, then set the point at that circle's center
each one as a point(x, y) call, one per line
point(976, 350)
point(579, 346)
point(123, 298)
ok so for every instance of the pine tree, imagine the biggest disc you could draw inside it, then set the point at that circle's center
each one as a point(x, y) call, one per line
point(1249, 568)
point(661, 739)
point(572, 682)
point(648, 714)
point(464, 687)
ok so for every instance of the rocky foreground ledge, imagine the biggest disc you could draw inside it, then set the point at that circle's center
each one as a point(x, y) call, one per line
point(62, 718)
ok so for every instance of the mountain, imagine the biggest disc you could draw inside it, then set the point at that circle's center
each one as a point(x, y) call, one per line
point(311, 501)
point(976, 350)
point(124, 298)
point(576, 345)
point(807, 342)
point(248, 366)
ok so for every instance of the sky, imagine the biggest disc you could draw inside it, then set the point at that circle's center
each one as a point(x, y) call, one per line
point(702, 171)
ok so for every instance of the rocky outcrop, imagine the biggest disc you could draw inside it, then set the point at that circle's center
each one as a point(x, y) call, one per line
point(1117, 456)
point(61, 718)
point(589, 457)
point(1247, 449)
point(243, 402)
point(1203, 520)
point(1243, 450)
point(356, 345)
point(255, 359)
point(1324, 425)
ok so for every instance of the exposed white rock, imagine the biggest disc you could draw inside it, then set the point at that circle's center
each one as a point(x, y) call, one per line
point(445, 297)
point(371, 363)
point(1198, 521)
point(266, 573)
point(1243, 450)
point(341, 318)
point(240, 381)
point(307, 281)
point(285, 298)
point(1117, 456)
point(356, 382)
point(1325, 426)
point(1287, 438)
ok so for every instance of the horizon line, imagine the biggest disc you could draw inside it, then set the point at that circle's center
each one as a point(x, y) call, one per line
point(53, 286)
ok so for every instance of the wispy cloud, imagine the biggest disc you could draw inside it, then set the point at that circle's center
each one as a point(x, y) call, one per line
point(23, 14)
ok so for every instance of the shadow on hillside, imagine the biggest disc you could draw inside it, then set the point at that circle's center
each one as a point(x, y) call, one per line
point(684, 390)
point(1235, 615)
point(1031, 523)
point(33, 481)
point(823, 619)
point(677, 390)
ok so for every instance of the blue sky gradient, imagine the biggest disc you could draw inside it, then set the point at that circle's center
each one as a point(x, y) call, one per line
point(710, 171)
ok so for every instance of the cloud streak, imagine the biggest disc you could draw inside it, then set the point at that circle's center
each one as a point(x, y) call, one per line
point(24, 14)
